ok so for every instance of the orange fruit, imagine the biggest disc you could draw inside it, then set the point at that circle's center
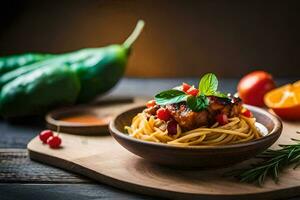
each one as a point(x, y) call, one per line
point(285, 101)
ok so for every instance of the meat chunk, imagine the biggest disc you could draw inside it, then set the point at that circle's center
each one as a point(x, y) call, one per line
point(188, 119)
point(229, 106)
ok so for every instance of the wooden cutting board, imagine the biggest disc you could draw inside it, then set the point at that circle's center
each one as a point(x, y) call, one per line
point(101, 158)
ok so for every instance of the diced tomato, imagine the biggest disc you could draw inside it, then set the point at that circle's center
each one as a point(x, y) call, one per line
point(193, 91)
point(185, 87)
point(247, 113)
point(150, 103)
point(172, 127)
point(163, 114)
point(222, 119)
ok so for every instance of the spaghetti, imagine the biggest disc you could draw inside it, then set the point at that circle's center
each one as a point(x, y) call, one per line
point(187, 116)
point(238, 129)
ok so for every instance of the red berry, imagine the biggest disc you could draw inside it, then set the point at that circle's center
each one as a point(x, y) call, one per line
point(54, 142)
point(185, 87)
point(222, 119)
point(163, 114)
point(193, 91)
point(150, 103)
point(247, 113)
point(44, 135)
point(172, 127)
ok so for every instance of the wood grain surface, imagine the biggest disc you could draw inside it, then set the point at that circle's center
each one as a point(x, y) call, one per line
point(102, 159)
point(76, 191)
point(16, 167)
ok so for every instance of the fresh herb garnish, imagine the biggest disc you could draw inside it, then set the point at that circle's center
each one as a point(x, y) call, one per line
point(273, 163)
point(197, 103)
point(170, 96)
point(208, 86)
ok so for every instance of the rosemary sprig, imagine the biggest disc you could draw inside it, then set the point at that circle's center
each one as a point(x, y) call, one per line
point(273, 163)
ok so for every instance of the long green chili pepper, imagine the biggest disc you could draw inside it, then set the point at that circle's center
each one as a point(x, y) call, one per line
point(10, 63)
point(64, 79)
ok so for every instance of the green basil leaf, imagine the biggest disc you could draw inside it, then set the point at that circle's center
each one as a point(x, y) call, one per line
point(208, 84)
point(198, 103)
point(170, 96)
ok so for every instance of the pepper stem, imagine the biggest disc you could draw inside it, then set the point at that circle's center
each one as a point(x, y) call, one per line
point(134, 35)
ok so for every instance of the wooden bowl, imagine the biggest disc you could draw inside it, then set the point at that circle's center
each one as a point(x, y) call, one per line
point(104, 110)
point(215, 156)
point(55, 123)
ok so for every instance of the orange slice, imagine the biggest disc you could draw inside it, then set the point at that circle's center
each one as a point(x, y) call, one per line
point(285, 101)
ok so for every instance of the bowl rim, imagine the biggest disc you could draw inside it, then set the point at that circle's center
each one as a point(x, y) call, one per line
point(53, 116)
point(274, 133)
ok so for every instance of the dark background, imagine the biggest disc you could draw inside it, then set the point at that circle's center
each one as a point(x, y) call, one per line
point(181, 38)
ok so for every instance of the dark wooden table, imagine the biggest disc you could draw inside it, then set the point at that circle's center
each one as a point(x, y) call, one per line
point(21, 178)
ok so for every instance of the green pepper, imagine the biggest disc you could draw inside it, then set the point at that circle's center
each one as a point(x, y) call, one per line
point(10, 63)
point(39, 91)
point(33, 89)
point(68, 58)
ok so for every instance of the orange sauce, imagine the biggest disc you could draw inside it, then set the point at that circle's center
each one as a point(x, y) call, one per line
point(86, 119)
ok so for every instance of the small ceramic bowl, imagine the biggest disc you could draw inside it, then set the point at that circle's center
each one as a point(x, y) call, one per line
point(100, 113)
point(55, 122)
point(214, 156)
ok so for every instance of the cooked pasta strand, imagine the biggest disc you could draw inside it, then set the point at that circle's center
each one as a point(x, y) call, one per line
point(239, 129)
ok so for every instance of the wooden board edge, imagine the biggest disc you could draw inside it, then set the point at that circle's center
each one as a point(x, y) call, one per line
point(131, 187)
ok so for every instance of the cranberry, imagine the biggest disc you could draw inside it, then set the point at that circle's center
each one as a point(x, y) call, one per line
point(247, 113)
point(185, 87)
point(150, 103)
point(54, 142)
point(193, 91)
point(222, 119)
point(172, 127)
point(163, 114)
point(44, 135)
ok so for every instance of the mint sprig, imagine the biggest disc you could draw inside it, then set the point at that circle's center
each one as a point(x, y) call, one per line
point(197, 103)
point(170, 96)
point(208, 86)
